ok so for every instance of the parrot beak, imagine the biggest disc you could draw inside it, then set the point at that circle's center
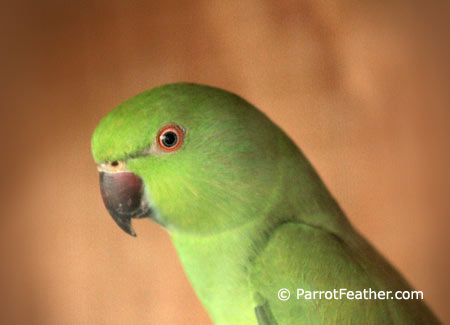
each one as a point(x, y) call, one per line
point(124, 198)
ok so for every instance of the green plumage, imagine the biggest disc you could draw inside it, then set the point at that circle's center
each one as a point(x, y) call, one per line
point(247, 212)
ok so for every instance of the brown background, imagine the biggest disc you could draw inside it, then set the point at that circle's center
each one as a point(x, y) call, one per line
point(361, 86)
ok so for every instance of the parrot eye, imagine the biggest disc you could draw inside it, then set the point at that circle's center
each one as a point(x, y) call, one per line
point(170, 138)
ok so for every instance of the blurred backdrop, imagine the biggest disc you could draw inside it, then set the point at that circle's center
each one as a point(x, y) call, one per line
point(361, 86)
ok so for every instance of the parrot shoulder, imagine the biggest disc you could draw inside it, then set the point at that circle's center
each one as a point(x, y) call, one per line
point(299, 260)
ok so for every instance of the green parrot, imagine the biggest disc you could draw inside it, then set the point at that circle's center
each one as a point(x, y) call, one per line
point(258, 234)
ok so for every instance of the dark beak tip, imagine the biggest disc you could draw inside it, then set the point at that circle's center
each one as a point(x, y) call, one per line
point(131, 233)
point(126, 227)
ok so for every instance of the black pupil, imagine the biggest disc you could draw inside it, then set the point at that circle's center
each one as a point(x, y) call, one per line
point(169, 139)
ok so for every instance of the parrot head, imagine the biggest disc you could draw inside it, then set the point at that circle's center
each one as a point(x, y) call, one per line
point(193, 158)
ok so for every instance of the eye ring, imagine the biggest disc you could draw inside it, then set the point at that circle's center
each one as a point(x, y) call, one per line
point(170, 138)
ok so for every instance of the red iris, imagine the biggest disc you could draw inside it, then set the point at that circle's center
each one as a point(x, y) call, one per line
point(170, 137)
